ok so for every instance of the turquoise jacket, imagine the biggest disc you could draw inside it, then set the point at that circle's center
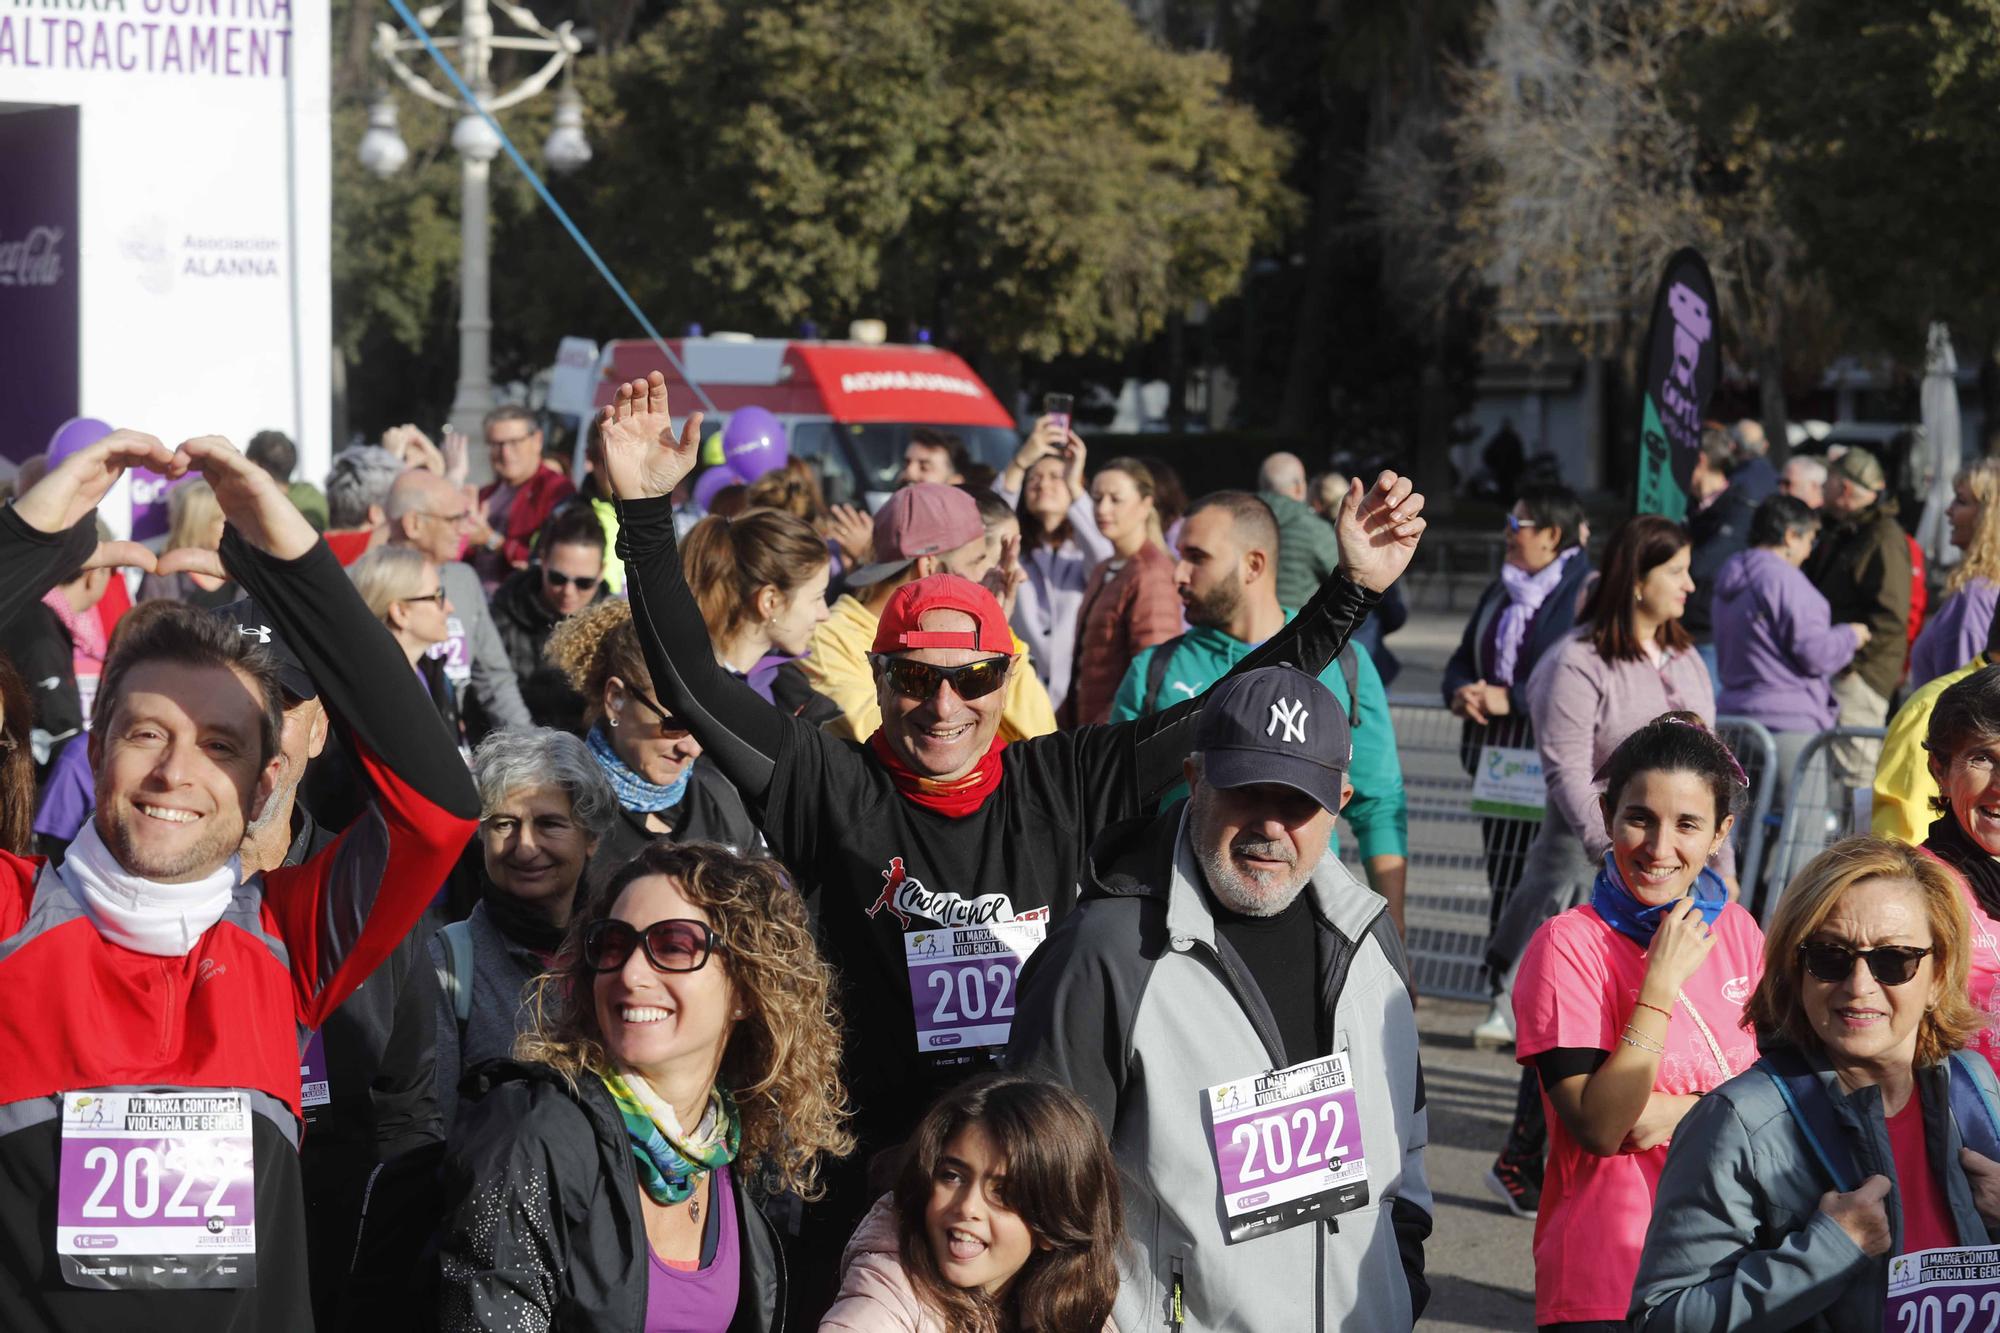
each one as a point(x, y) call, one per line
point(1378, 812)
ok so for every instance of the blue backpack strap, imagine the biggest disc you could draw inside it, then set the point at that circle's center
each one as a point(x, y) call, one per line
point(1805, 1097)
point(1978, 1126)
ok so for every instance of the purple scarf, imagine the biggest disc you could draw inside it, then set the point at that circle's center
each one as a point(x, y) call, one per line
point(1525, 594)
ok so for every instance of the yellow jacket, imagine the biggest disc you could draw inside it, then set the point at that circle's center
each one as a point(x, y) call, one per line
point(1903, 782)
point(837, 667)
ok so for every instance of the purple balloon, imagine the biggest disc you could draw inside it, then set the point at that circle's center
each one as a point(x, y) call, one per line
point(711, 481)
point(754, 442)
point(74, 434)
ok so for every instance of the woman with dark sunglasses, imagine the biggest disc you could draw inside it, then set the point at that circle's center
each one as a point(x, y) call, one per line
point(1962, 747)
point(1789, 1188)
point(683, 1049)
point(1629, 1009)
point(567, 576)
point(653, 762)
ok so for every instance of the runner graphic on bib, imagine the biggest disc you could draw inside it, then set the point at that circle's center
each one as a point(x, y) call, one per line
point(963, 970)
point(157, 1189)
point(1288, 1146)
point(1942, 1291)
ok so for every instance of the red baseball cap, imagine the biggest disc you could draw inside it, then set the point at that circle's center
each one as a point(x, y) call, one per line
point(899, 629)
point(923, 518)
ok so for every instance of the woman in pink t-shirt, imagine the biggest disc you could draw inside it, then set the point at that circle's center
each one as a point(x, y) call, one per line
point(1963, 745)
point(1630, 1007)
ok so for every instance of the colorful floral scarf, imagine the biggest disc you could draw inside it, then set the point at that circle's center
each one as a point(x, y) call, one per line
point(672, 1162)
point(633, 791)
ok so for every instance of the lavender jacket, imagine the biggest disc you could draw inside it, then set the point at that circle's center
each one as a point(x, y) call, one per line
point(1584, 706)
point(1776, 645)
point(1955, 633)
point(1049, 600)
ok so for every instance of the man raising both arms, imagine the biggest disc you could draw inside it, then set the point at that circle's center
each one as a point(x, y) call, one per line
point(158, 997)
point(941, 854)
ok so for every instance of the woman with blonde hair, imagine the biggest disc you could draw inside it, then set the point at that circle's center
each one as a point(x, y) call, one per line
point(1130, 601)
point(403, 590)
point(1956, 632)
point(194, 521)
point(684, 1045)
point(1788, 1188)
point(652, 762)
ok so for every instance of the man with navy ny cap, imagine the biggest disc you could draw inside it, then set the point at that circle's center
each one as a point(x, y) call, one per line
point(1235, 1006)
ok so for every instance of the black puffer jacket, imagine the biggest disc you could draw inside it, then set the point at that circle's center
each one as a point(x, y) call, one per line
point(543, 1227)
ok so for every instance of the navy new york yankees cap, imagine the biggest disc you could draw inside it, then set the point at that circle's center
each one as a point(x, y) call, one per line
point(1275, 725)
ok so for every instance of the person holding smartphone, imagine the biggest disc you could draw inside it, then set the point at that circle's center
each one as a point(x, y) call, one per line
point(1059, 542)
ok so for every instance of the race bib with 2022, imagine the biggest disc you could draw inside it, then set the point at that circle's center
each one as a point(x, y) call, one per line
point(1944, 1291)
point(963, 979)
point(157, 1189)
point(1288, 1146)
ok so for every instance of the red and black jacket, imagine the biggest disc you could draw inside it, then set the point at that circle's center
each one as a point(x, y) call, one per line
point(234, 1012)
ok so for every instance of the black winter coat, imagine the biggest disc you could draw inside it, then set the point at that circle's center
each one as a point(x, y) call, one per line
point(542, 1211)
point(525, 622)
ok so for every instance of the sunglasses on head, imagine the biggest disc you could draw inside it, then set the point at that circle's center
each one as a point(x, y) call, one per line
point(920, 680)
point(674, 945)
point(583, 582)
point(1891, 964)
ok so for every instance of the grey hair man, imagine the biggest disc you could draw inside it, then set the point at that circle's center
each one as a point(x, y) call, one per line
point(1804, 479)
point(429, 514)
point(1752, 475)
point(357, 487)
point(1224, 982)
point(1307, 550)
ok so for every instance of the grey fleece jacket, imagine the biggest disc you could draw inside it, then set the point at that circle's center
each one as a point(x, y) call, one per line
point(1137, 1004)
point(1737, 1239)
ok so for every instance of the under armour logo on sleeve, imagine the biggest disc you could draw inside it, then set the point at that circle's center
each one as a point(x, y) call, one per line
point(261, 633)
point(1291, 715)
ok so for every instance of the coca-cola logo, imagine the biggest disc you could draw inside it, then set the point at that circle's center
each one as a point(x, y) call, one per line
point(33, 261)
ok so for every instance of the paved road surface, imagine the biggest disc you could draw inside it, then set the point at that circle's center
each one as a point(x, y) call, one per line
point(1479, 1257)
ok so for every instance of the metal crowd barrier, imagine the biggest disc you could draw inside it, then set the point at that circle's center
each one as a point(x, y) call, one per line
point(1457, 855)
point(1817, 813)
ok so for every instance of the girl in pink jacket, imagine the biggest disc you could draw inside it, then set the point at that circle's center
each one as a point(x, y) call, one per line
point(1006, 1216)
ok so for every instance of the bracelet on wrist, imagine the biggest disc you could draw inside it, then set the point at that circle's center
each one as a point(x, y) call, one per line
point(1633, 1037)
point(1667, 1014)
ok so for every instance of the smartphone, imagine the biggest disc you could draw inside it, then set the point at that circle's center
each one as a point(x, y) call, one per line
point(1059, 406)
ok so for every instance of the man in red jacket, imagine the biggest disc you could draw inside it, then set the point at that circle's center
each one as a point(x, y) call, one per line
point(524, 491)
point(159, 998)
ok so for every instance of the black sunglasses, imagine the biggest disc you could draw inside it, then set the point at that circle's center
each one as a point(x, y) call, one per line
point(674, 945)
point(583, 582)
point(1891, 964)
point(920, 680)
point(437, 597)
point(666, 718)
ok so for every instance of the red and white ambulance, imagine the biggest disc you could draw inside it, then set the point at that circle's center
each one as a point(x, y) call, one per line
point(848, 407)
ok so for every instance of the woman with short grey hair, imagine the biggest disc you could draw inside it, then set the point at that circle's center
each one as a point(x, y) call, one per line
point(543, 805)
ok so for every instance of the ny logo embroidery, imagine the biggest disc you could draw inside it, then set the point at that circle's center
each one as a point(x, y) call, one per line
point(261, 633)
point(1291, 715)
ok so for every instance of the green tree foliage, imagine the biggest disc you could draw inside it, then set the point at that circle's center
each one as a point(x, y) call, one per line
point(1877, 118)
point(1026, 177)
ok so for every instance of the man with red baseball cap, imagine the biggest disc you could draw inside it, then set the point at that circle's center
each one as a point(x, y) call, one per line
point(923, 531)
point(939, 853)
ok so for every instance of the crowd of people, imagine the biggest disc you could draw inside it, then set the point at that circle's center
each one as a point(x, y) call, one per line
point(547, 906)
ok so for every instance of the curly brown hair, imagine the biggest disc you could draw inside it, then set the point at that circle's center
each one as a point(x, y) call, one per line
point(782, 1059)
point(594, 645)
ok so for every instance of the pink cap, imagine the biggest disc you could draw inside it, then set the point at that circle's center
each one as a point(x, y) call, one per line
point(923, 518)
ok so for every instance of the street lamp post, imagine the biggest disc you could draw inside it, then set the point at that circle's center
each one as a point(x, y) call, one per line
point(382, 151)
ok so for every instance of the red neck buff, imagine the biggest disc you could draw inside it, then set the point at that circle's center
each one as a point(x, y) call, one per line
point(954, 799)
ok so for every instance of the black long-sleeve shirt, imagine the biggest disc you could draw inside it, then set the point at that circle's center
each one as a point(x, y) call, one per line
point(890, 874)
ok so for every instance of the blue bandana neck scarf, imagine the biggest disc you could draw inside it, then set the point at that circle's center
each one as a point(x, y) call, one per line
point(634, 792)
point(1610, 899)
